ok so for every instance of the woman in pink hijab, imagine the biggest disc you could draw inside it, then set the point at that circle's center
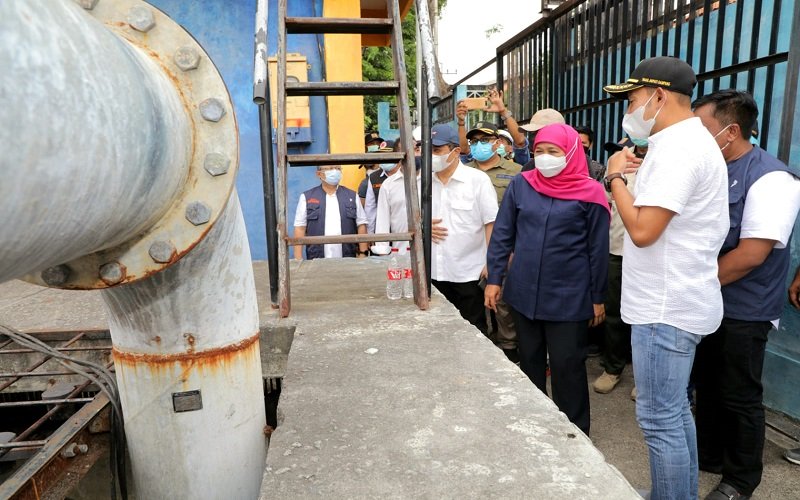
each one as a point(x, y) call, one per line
point(554, 220)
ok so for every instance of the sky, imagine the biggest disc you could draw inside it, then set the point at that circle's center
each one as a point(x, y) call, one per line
point(463, 42)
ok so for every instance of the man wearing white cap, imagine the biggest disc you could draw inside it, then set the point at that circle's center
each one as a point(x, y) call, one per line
point(541, 118)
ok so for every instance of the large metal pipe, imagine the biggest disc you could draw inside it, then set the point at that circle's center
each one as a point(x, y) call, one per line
point(186, 352)
point(119, 141)
point(95, 139)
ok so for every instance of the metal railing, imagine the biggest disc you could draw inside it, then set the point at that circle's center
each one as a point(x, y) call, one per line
point(563, 60)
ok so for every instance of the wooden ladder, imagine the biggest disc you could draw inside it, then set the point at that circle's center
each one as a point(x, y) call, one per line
point(398, 87)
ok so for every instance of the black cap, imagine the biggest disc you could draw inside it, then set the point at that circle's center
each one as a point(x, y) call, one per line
point(372, 137)
point(669, 73)
point(487, 128)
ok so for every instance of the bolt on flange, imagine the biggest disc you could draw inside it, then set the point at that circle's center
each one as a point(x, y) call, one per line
point(212, 109)
point(187, 58)
point(141, 19)
point(162, 251)
point(198, 213)
point(56, 275)
point(216, 164)
point(112, 273)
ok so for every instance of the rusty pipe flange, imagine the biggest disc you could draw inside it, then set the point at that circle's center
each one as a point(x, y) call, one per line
point(214, 154)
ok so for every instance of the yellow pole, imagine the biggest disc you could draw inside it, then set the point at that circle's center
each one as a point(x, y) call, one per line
point(345, 113)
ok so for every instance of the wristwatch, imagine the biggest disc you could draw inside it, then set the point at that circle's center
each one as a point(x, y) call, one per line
point(610, 177)
point(506, 115)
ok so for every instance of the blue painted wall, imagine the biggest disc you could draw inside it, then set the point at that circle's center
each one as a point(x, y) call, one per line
point(225, 30)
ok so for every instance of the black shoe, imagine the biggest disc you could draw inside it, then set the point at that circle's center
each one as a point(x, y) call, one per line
point(726, 492)
point(512, 355)
point(593, 350)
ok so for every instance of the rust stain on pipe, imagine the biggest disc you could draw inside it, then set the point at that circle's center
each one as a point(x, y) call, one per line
point(211, 358)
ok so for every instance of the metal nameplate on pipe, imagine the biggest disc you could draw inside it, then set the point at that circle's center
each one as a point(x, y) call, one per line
point(187, 401)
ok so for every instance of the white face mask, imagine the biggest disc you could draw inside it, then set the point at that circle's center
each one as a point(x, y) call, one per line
point(551, 166)
point(718, 134)
point(439, 162)
point(636, 126)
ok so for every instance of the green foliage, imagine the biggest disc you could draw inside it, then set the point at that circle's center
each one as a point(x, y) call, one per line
point(376, 65)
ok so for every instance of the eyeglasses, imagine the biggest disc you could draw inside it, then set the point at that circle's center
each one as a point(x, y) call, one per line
point(418, 145)
point(482, 140)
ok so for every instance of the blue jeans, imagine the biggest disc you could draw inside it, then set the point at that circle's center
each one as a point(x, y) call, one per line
point(662, 362)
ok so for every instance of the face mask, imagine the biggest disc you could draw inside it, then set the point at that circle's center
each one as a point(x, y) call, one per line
point(586, 149)
point(418, 162)
point(481, 151)
point(372, 148)
point(501, 151)
point(333, 177)
point(549, 165)
point(636, 126)
point(386, 167)
point(642, 143)
point(718, 134)
point(439, 162)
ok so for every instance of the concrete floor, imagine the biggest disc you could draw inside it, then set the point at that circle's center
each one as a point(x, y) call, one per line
point(616, 434)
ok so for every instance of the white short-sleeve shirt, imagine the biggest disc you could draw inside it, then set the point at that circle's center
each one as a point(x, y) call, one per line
point(674, 281)
point(465, 204)
point(771, 208)
point(333, 221)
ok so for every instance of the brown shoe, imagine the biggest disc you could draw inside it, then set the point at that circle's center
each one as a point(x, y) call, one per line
point(605, 383)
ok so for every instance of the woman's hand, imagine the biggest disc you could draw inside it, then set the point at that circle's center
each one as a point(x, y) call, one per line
point(599, 315)
point(490, 297)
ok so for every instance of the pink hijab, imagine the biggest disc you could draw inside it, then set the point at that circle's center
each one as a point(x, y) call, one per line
point(573, 183)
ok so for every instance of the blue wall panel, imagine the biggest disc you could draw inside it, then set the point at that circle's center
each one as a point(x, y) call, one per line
point(225, 30)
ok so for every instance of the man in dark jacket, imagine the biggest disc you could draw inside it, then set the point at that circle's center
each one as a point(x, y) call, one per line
point(326, 210)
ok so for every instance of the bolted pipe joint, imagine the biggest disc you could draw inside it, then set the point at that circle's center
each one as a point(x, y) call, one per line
point(141, 19)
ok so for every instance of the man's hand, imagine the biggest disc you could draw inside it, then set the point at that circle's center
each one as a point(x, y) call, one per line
point(491, 294)
point(438, 232)
point(496, 100)
point(794, 290)
point(599, 315)
point(623, 162)
point(461, 111)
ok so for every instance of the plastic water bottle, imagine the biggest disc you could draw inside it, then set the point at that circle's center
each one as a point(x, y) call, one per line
point(408, 283)
point(394, 277)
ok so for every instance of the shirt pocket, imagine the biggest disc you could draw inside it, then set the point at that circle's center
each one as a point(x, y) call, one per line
point(462, 211)
point(312, 212)
point(350, 212)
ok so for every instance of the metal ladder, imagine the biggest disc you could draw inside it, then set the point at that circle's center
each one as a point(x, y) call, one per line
point(319, 25)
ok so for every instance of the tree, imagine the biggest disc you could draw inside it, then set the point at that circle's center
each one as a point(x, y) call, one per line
point(376, 65)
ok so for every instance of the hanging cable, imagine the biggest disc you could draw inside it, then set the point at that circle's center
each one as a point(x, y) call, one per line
point(106, 383)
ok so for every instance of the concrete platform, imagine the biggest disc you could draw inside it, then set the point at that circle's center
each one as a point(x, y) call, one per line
point(403, 392)
point(381, 400)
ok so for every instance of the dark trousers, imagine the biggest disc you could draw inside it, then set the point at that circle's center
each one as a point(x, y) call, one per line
point(617, 349)
point(565, 341)
point(730, 415)
point(468, 299)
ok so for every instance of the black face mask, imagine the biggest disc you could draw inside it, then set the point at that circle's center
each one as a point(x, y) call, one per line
point(418, 162)
point(586, 149)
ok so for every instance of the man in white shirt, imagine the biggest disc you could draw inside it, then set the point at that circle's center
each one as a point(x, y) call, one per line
point(675, 223)
point(328, 210)
point(764, 198)
point(375, 182)
point(464, 206)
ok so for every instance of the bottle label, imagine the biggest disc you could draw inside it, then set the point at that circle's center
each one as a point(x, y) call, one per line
point(407, 273)
point(394, 274)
